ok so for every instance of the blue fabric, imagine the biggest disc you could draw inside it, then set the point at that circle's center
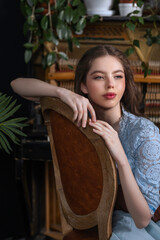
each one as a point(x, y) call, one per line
point(124, 228)
point(140, 139)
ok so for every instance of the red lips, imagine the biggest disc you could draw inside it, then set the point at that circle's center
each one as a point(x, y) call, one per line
point(109, 95)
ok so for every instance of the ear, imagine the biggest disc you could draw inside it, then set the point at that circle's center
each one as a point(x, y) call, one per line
point(84, 88)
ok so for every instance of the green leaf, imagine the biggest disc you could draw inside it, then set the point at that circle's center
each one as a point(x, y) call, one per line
point(15, 130)
point(63, 31)
point(136, 43)
point(68, 14)
point(9, 133)
point(135, 12)
point(81, 24)
point(54, 39)
point(158, 39)
point(4, 144)
point(27, 55)
point(70, 45)
point(131, 26)
point(51, 58)
point(28, 45)
point(7, 109)
point(60, 29)
point(30, 20)
point(10, 128)
point(59, 3)
point(9, 112)
point(47, 35)
point(61, 15)
point(94, 18)
point(76, 3)
point(129, 51)
point(30, 2)
point(81, 9)
point(39, 10)
point(63, 55)
point(141, 20)
point(140, 3)
point(133, 18)
point(76, 16)
point(4, 102)
point(44, 22)
point(76, 42)
point(149, 41)
point(70, 67)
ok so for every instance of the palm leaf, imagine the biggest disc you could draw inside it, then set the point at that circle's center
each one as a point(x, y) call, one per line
point(4, 144)
point(20, 119)
point(15, 130)
point(4, 102)
point(8, 113)
point(10, 134)
point(9, 127)
point(8, 107)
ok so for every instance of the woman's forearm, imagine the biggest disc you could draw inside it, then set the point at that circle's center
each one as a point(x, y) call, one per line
point(135, 201)
point(31, 88)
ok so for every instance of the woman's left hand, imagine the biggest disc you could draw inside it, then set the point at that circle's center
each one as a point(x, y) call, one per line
point(111, 138)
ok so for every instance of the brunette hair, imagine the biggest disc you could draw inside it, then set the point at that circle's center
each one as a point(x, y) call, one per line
point(130, 97)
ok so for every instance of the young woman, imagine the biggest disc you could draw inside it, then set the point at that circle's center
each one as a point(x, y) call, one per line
point(103, 75)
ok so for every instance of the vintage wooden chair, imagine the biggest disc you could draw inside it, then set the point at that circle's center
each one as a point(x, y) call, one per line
point(85, 175)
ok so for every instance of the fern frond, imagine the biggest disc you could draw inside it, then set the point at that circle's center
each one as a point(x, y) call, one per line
point(4, 143)
point(9, 128)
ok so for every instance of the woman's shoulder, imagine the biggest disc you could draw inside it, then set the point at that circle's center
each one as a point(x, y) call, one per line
point(139, 122)
point(137, 128)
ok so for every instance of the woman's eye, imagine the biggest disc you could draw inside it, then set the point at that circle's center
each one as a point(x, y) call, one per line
point(99, 77)
point(118, 76)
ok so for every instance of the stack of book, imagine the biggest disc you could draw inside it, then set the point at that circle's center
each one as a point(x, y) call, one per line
point(152, 102)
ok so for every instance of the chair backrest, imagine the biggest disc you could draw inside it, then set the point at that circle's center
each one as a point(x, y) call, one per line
point(85, 172)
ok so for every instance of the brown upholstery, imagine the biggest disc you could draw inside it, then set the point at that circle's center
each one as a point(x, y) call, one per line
point(88, 234)
point(85, 174)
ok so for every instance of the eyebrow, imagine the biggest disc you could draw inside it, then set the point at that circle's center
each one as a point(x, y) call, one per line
point(99, 71)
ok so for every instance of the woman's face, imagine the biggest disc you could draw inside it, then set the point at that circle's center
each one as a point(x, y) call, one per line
point(105, 82)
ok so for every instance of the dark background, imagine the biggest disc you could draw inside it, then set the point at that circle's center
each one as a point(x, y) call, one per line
point(12, 217)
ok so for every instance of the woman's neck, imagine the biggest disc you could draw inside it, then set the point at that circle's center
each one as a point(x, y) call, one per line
point(110, 115)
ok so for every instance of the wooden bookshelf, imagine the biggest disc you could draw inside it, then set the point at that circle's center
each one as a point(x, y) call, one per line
point(148, 79)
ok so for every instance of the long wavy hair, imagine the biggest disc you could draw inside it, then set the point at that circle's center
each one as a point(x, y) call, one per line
point(130, 97)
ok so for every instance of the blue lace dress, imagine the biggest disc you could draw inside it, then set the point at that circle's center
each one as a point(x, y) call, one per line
point(141, 141)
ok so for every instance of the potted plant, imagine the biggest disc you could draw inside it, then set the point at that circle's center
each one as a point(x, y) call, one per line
point(130, 7)
point(50, 22)
point(101, 7)
point(152, 33)
point(9, 127)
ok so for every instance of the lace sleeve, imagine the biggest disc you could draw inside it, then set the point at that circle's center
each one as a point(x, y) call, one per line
point(147, 165)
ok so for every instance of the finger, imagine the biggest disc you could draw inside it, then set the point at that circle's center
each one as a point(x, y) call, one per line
point(84, 117)
point(80, 114)
point(75, 113)
point(92, 112)
point(98, 132)
point(105, 124)
point(96, 126)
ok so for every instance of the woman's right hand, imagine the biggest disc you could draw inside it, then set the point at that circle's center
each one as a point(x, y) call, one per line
point(80, 106)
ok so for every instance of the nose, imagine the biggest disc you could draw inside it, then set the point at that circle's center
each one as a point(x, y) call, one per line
point(109, 83)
